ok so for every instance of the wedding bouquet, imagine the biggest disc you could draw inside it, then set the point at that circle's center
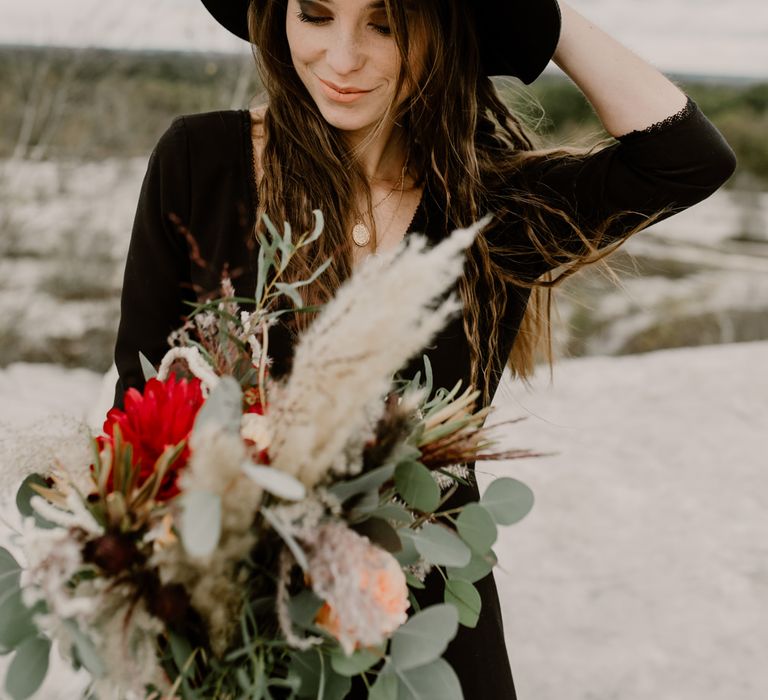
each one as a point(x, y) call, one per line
point(235, 535)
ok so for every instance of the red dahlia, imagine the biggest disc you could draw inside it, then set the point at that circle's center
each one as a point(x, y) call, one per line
point(159, 418)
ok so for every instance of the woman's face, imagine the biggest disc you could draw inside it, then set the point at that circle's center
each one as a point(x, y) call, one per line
point(346, 56)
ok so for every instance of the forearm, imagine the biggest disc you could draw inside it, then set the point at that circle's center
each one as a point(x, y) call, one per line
point(626, 92)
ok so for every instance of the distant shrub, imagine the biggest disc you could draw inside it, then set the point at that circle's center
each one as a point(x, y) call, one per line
point(97, 103)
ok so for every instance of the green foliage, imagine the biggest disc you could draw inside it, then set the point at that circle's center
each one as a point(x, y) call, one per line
point(479, 566)
point(476, 527)
point(365, 482)
point(507, 500)
point(318, 679)
point(16, 624)
point(28, 669)
point(414, 482)
point(200, 522)
point(357, 662)
point(424, 637)
point(10, 572)
point(385, 687)
point(147, 368)
point(277, 483)
point(223, 407)
point(440, 545)
point(24, 500)
point(304, 607)
point(435, 681)
point(132, 98)
point(466, 599)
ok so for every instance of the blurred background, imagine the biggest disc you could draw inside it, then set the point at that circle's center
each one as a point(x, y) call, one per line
point(642, 571)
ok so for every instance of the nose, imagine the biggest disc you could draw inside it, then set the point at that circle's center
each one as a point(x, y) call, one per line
point(345, 53)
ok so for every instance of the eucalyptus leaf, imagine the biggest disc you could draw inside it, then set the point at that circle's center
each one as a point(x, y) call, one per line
point(261, 275)
point(200, 522)
point(357, 662)
point(278, 483)
point(315, 274)
point(394, 512)
point(435, 681)
point(467, 600)
point(480, 565)
point(304, 607)
point(424, 637)
point(385, 687)
point(24, 497)
point(476, 527)
point(379, 532)
point(147, 368)
point(291, 292)
point(306, 665)
point(365, 482)
point(416, 485)
point(16, 624)
point(270, 226)
point(319, 226)
point(404, 453)
point(439, 545)
point(413, 582)
point(85, 650)
point(28, 669)
point(408, 554)
point(318, 680)
point(223, 407)
point(10, 572)
point(364, 504)
point(507, 500)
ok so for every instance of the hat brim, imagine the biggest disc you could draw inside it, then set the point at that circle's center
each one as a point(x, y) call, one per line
point(516, 37)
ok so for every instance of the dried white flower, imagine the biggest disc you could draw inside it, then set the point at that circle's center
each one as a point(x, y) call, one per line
point(255, 427)
point(420, 569)
point(344, 363)
point(444, 481)
point(196, 364)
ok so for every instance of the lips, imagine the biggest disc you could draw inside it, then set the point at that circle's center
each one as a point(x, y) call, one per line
point(338, 93)
point(343, 90)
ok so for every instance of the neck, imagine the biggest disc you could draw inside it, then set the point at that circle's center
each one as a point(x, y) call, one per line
point(381, 154)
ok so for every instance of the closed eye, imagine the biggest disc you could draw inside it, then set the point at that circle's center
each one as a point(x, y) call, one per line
point(312, 19)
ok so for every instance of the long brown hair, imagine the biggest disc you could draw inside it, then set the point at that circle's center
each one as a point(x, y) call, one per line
point(465, 148)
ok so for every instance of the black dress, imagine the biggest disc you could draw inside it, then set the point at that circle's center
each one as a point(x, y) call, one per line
point(201, 172)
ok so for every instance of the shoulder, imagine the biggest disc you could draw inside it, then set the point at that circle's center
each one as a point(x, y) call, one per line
point(207, 150)
point(207, 132)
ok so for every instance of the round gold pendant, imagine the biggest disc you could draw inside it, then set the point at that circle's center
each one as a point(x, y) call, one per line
point(360, 234)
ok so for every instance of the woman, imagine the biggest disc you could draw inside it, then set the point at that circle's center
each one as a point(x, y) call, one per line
point(382, 115)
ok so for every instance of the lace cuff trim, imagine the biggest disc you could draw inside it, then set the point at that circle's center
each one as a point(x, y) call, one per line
point(664, 124)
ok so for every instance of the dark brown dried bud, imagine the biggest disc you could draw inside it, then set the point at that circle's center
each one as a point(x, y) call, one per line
point(170, 603)
point(114, 553)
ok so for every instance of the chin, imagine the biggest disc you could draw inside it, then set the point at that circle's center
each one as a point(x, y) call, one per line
point(346, 119)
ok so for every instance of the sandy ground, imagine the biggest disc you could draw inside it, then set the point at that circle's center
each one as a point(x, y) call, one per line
point(642, 571)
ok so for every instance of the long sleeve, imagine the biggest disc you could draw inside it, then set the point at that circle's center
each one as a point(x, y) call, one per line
point(672, 165)
point(156, 278)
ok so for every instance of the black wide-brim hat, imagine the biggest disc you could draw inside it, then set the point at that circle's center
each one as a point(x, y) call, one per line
point(516, 37)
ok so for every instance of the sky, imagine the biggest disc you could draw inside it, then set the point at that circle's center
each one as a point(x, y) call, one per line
point(706, 37)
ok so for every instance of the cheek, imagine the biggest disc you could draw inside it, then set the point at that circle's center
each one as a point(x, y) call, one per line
point(301, 40)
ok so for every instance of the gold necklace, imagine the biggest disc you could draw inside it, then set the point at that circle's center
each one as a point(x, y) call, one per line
point(361, 234)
